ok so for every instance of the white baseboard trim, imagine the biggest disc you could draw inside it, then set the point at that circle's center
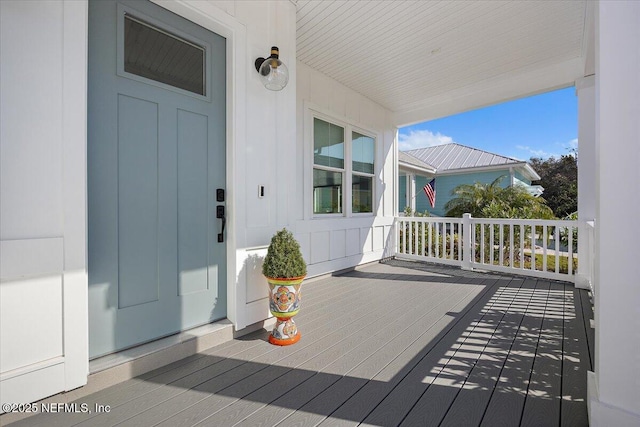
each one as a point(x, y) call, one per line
point(603, 414)
point(582, 282)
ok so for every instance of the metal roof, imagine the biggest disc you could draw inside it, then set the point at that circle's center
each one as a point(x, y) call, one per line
point(455, 156)
point(413, 162)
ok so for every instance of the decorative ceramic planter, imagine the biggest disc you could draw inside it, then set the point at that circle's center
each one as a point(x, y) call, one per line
point(284, 303)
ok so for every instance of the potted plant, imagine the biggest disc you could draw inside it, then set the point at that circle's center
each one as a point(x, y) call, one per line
point(285, 270)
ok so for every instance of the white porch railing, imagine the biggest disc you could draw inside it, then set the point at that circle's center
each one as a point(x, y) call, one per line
point(539, 248)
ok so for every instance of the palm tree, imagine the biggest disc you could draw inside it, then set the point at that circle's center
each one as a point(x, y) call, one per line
point(472, 198)
point(493, 201)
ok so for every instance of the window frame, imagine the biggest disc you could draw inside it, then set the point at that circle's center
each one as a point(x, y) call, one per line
point(349, 127)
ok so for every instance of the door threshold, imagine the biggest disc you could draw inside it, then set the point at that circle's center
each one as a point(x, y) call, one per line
point(121, 366)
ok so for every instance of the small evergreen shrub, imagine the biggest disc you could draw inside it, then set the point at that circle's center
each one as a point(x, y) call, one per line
point(284, 259)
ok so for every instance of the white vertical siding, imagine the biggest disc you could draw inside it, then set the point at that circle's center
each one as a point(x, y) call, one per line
point(356, 239)
point(31, 184)
point(43, 301)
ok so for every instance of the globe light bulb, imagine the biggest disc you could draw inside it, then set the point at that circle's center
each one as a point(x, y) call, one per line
point(273, 72)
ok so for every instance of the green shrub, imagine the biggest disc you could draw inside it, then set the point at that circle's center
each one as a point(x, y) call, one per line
point(284, 259)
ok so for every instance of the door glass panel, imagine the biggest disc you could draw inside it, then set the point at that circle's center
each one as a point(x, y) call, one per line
point(158, 55)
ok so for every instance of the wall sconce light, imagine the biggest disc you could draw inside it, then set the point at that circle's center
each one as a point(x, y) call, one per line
point(273, 72)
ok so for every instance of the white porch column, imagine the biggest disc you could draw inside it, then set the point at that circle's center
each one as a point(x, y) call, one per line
point(585, 90)
point(411, 191)
point(614, 390)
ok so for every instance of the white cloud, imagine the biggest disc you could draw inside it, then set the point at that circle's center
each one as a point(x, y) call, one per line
point(535, 153)
point(421, 139)
point(566, 150)
point(572, 147)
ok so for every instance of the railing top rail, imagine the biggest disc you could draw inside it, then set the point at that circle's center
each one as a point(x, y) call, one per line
point(497, 221)
point(548, 222)
point(430, 219)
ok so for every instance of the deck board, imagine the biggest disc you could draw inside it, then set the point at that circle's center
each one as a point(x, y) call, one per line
point(197, 407)
point(375, 402)
point(542, 406)
point(575, 361)
point(310, 353)
point(474, 396)
point(587, 316)
point(393, 343)
point(356, 365)
point(507, 401)
point(453, 365)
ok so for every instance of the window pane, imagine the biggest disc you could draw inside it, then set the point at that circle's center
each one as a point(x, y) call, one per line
point(327, 192)
point(363, 152)
point(158, 55)
point(362, 188)
point(328, 144)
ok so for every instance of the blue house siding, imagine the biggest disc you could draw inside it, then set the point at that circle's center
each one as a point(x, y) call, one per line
point(446, 183)
point(521, 178)
point(402, 193)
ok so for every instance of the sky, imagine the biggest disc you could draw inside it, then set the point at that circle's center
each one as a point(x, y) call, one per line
point(538, 126)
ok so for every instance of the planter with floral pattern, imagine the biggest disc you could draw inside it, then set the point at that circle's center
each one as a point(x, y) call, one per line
point(284, 303)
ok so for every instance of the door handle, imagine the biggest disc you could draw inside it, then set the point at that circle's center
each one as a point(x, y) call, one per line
point(220, 214)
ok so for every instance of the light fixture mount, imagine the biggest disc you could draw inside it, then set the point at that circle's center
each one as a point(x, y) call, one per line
point(273, 72)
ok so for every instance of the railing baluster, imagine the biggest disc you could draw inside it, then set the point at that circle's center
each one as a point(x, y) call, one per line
point(570, 252)
point(501, 245)
point(556, 238)
point(482, 244)
point(474, 231)
point(544, 248)
point(437, 245)
point(491, 245)
point(522, 246)
point(451, 240)
point(533, 247)
point(424, 224)
point(460, 232)
point(511, 245)
point(407, 225)
point(430, 239)
point(416, 238)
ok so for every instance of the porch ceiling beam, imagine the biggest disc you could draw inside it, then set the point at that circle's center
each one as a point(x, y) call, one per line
point(492, 91)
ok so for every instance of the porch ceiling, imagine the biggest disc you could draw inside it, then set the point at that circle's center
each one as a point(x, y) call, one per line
point(423, 59)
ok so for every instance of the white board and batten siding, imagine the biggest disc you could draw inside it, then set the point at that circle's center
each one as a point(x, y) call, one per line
point(43, 269)
point(336, 243)
point(328, 244)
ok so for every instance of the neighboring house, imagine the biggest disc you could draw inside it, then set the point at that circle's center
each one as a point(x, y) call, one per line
point(110, 171)
point(452, 165)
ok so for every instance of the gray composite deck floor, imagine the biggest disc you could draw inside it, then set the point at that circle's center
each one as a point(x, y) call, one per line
point(395, 343)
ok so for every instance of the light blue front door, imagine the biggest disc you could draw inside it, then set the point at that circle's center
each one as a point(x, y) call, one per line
point(156, 163)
